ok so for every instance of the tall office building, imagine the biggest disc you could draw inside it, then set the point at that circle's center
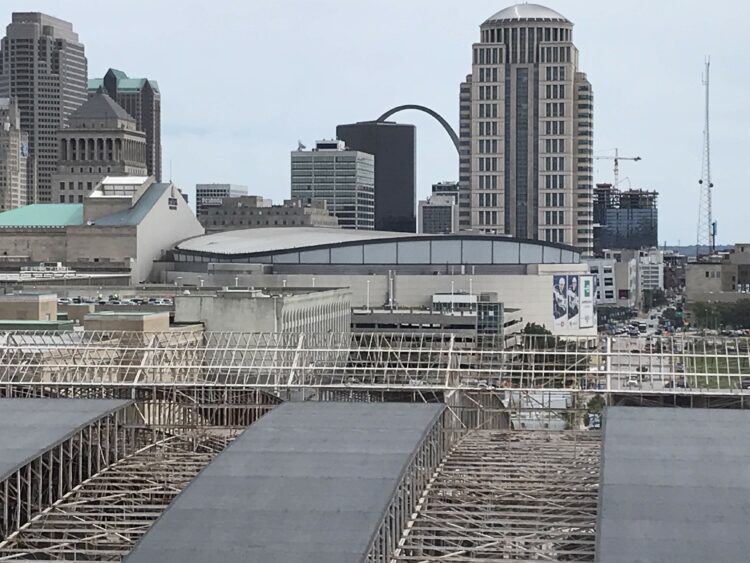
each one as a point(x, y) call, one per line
point(101, 140)
point(212, 195)
point(14, 153)
point(438, 214)
point(43, 66)
point(624, 219)
point(526, 116)
point(394, 147)
point(343, 178)
point(141, 98)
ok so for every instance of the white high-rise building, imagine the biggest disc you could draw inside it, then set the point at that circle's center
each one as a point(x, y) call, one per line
point(212, 195)
point(526, 115)
point(344, 179)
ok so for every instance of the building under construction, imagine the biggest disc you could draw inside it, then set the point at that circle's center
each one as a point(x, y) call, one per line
point(363, 448)
point(624, 219)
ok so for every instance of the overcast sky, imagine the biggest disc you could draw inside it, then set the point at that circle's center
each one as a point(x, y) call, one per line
point(242, 81)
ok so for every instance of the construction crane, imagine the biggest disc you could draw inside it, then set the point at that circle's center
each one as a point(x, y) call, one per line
point(617, 158)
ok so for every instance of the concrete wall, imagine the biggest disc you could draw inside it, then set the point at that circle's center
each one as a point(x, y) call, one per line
point(701, 280)
point(228, 312)
point(147, 322)
point(28, 307)
point(531, 293)
point(95, 207)
point(160, 230)
point(40, 245)
point(77, 311)
point(313, 311)
point(105, 244)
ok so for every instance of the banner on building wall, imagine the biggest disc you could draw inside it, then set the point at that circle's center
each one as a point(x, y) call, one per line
point(573, 301)
point(560, 301)
point(586, 303)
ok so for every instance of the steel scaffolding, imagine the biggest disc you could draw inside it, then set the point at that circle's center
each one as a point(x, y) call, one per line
point(509, 496)
point(372, 362)
point(103, 517)
point(56, 471)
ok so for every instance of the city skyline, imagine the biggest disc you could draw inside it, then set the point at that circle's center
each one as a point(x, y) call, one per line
point(647, 85)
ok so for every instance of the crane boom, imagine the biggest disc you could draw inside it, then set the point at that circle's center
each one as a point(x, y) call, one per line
point(617, 158)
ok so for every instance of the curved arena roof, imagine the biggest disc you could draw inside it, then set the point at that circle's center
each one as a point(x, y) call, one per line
point(314, 245)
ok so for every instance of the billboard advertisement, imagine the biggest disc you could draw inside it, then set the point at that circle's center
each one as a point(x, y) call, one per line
point(560, 301)
point(586, 302)
point(573, 301)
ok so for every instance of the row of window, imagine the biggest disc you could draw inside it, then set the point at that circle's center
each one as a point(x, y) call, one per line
point(488, 92)
point(554, 109)
point(488, 182)
point(487, 200)
point(486, 56)
point(488, 74)
point(487, 164)
point(488, 146)
point(554, 235)
point(71, 186)
point(487, 110)
point(554, 91)
point(554, 128)
point(503, 35)
point(554, 163)
point(554, 73)
point(555, 54)
point(487, 217)
point(554, 217)
point(487, 128)
point(71, 198)
point(554, 200)
point(554, 145)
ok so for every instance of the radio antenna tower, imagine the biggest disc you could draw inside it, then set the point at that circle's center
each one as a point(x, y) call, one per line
point(706, 224)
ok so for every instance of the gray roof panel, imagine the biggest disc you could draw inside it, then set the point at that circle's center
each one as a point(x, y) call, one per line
point(133, 216)
point(307, 483)
point(675, 486)
point(29, 427)
point(101, 106)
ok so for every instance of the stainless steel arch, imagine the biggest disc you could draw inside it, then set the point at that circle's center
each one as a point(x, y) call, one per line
point(428, 111)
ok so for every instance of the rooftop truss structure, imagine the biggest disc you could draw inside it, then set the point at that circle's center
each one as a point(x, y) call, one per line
point(374, 361)
point(103, 517)
point(509, 496)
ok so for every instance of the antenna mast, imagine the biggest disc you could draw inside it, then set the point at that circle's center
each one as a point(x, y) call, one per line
point(706, 224)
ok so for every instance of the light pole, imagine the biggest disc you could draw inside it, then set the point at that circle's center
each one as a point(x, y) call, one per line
point(471, 286)
point(236, 281)
point(368, 295)
point(453, 284)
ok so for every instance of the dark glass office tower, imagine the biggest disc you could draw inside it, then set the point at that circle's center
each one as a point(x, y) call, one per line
point(394, 147)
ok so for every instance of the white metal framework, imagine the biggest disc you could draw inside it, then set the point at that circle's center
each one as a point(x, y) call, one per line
point(379, 361)
point(62, 467)
point(103, 517)
point(413, 483)
point(475, 491)
point(509, 496)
